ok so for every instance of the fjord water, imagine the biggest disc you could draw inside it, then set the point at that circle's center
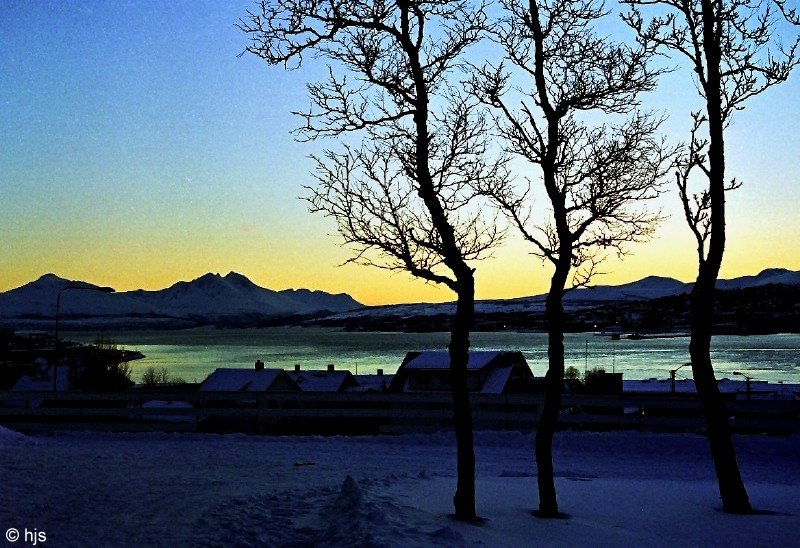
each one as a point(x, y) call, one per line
point(194, 353)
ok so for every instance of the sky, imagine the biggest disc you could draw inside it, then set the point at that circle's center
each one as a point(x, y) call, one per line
point(139, 148)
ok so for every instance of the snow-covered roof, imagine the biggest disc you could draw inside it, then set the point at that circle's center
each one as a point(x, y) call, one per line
point(45, 383)
point(494, 367)
point(440, 359)
point(26, 382)
point(373, 382)
point(496, 381)
point(322, 381)
point(240, 380)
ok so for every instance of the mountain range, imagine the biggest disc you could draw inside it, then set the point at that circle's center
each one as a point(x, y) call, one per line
point(651, 287)
point(236, 301)
point(211, 298)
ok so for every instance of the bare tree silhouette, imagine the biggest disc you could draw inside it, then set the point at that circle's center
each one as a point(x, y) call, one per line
point(403, 197)
point(595, 176)
point(727, 44)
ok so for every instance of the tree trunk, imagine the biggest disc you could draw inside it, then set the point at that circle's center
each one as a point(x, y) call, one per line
point(554, 386)
point(464, 499)
point(731, 488)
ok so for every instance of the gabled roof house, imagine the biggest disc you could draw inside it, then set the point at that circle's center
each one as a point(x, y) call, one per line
point(328, 380)
point(225, 379)
point(488, 372)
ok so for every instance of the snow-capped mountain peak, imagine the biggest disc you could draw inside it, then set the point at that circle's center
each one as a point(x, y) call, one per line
point(207, 297)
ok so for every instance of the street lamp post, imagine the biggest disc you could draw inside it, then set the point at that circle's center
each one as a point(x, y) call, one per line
point(747, 382)
point(672, 376)
point(58, 311)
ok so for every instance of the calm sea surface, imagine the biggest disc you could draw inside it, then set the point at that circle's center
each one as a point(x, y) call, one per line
point(193, 354)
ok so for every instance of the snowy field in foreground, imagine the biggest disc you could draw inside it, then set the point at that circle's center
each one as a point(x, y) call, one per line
point(621, 489)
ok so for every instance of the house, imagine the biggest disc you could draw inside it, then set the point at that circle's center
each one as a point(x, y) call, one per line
point(373, 383)
point(41, 379)
point(488, 372)
point(329, 380)
point(225, 379)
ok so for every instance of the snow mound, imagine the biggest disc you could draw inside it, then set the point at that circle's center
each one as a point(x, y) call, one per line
point(351, 515)
point(10, 437)
point(349, 496)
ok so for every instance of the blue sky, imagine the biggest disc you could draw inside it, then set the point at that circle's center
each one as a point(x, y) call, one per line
point(138, 148)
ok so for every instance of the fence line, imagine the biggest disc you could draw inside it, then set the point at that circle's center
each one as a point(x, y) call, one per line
point(353, 412)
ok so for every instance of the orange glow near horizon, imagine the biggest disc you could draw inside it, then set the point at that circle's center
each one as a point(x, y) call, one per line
point(512, 272)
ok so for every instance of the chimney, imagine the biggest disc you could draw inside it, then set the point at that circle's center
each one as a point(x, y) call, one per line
point(259, 365)
point(330, 368)
point(380, 372)
point(297, 368)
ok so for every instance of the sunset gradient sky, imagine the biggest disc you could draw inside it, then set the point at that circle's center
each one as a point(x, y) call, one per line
point(137, 149)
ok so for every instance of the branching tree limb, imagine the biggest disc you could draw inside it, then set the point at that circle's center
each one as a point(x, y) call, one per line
point(375, 203)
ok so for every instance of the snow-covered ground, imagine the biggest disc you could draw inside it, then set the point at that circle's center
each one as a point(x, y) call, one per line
point(621, 489)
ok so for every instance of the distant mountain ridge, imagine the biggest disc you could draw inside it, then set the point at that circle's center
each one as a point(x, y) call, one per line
point(235, 300)
point(207, 298)
point(650, 287)
point(653, 287)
